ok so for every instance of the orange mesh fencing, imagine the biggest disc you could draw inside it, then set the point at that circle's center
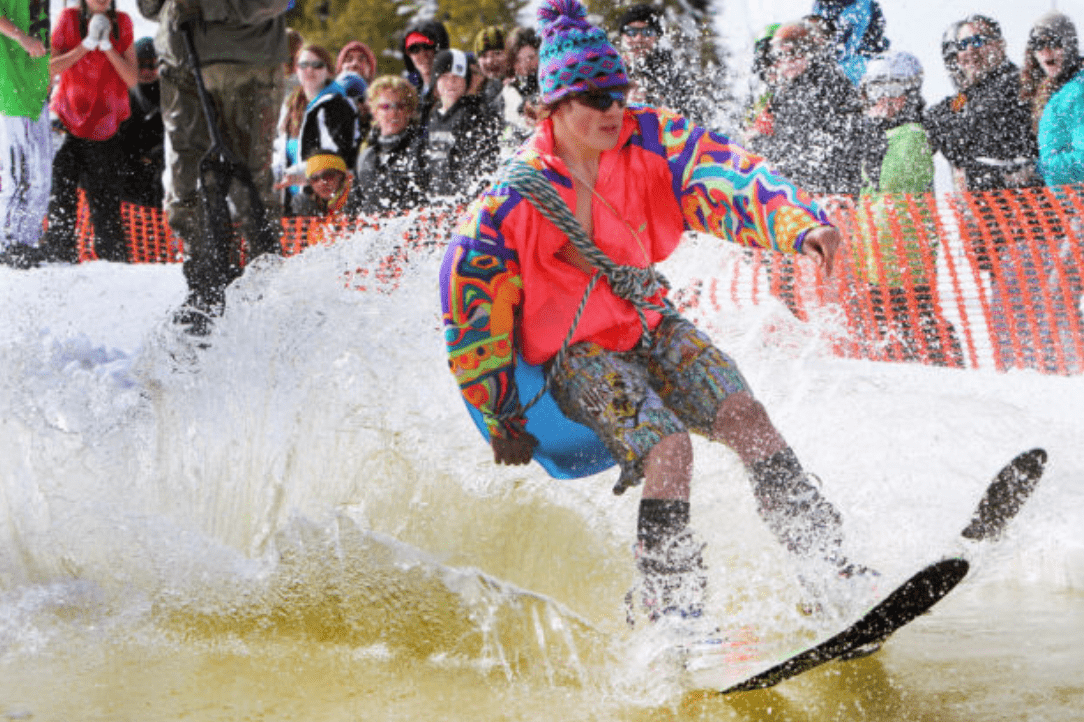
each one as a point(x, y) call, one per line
point(984, 280)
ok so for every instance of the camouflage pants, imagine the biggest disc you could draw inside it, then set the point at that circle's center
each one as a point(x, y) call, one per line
point(247, 99)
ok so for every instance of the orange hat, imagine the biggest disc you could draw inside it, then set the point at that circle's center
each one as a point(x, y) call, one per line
point(320, 162)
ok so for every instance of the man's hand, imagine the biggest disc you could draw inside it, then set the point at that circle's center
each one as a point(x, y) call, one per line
point(514, 452)
point(821, 245)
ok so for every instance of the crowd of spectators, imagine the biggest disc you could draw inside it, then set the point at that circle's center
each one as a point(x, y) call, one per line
point(836, 110)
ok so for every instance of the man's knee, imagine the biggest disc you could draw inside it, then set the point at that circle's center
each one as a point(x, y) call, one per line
point(742, 423)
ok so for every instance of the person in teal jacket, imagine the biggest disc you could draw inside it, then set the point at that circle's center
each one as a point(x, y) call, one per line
point(895, 253)
point(1052, 49)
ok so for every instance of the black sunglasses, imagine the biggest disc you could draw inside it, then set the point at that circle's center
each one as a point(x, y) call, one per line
point(601, 100)
point(419, 47)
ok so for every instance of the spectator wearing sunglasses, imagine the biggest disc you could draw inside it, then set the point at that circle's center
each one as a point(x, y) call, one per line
point(320, 113)
point(817, 128)
point(891, 249)
point(655, 76)
point(461, 131)
point(984, 130)
point(627, 183)
point(142, 135)
point(328, 190)
point(390, 172)
point(421, 43)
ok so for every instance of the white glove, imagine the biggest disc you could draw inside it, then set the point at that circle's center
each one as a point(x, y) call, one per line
point(97, 31)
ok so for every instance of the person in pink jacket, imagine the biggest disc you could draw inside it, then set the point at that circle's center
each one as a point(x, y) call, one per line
point(602, 186)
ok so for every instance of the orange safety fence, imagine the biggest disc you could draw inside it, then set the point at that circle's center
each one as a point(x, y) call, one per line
point(983, 280)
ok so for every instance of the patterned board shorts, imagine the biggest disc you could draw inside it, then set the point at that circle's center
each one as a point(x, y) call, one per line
point(634, 399)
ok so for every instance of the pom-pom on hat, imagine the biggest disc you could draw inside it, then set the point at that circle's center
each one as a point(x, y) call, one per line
point(575, 56)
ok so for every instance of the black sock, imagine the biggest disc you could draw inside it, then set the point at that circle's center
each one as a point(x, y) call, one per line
point(661, 519)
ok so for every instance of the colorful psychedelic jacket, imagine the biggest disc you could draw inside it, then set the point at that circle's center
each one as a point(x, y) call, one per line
point(503, 289)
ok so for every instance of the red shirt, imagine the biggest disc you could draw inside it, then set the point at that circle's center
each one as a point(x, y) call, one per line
point(91, 99)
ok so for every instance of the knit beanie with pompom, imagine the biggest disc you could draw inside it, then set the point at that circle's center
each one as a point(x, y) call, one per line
point(575, 56)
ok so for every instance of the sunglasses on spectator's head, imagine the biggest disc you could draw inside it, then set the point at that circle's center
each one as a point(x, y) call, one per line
point(973, 41)
point(647, 32)
point(601, 100)
point(313, 64)
point(418, 48)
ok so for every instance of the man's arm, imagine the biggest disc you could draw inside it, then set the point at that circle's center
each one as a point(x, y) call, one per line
point(481, 290)
point(733, 194)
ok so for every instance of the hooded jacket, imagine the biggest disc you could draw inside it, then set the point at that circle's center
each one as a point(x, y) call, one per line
point(431, 29)
point(503, 287)
point(330, 124)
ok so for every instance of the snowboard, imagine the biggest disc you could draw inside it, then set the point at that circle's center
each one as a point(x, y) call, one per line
point(1000, 503)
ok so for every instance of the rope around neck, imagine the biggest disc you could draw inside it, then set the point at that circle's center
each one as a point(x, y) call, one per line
point(633, 284)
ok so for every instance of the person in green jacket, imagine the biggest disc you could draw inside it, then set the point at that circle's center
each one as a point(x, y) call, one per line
point(895, 248)
point(26, 143)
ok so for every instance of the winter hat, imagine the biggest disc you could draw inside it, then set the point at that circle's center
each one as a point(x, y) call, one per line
point(353, 85)
point(575, 56)
point(355, 46)
point(144, 49)
point(640, 14)
point(451, 61)
point(320, 162)
point(1055, 26)
point(491, 38)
